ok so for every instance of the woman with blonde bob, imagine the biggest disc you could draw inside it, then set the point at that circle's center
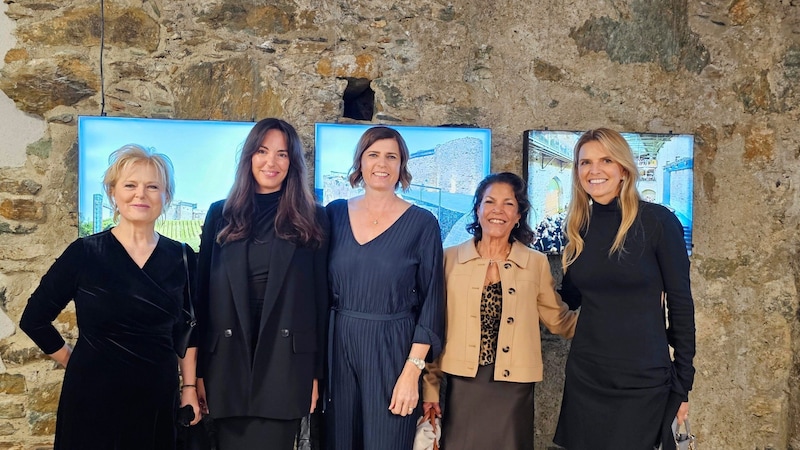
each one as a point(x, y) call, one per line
point(625, 261)
point(129, 285)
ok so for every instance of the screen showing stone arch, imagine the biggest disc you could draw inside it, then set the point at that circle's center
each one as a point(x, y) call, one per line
point(204, 153)
point(665, 164)
point(446, 164)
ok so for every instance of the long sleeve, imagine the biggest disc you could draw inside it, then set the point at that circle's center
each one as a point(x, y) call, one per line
point(321, 292)
point(430, 276)
point(56, 289)
point(569, 293)
point(554, 313)
point(207, 245)
point(674, 265)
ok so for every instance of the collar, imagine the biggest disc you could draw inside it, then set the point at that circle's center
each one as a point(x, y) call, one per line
point(519, 253)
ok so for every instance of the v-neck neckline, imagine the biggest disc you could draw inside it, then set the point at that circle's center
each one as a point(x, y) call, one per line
point(365, 243)
point(130, 258)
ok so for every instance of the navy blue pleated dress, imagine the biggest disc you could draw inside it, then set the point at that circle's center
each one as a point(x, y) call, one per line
point(387, 295)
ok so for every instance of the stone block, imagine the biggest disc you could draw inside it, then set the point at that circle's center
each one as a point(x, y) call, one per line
point(42, 424)
point(10, 409)
point(12, 383)
point(44, 398)
point(22, 209)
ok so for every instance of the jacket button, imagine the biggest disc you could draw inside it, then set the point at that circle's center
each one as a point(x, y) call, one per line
point(227, 333)
point(510, 320)
point(511, 290)
point(506, 373)
point(506, 349)
point(507, 265)
point(285, 333)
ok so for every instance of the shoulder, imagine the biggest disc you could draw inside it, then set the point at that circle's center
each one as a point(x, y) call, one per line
point(423, 215)
point(337, 206)
point(216, 207)
point(656, 213)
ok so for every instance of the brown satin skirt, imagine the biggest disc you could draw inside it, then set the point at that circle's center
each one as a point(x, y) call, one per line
point(481, 413)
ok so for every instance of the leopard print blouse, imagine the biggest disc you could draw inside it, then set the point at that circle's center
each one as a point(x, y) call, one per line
point(491, 309)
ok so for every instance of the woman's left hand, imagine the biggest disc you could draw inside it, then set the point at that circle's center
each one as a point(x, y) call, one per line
point(405, 394)
point(683, 413)
point(314, 395)
point(189, 397)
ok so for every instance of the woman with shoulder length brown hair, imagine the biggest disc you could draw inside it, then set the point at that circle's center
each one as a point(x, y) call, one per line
point(262, 296)
point(625, 262)
point(386, 282)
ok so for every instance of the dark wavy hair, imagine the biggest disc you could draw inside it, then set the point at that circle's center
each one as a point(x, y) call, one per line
point(296, 217)
point(370, 137)
point(523, 233)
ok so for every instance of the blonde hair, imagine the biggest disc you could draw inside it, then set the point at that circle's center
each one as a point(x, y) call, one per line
point(579, 212)
point(129, 155)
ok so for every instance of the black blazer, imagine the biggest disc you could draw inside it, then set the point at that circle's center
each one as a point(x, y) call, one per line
point(273, 380)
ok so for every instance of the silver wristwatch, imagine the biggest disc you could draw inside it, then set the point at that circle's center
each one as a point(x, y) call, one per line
point(417, 362)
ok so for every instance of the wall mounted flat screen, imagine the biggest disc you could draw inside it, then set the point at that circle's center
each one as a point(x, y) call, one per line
point(204, 154)
point(665, 164)
point(446, 164)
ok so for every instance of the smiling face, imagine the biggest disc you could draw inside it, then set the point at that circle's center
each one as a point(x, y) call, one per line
point(139, 194)
point(380, 165)
point(270, 162)
point(600, 176)
point(498, 212)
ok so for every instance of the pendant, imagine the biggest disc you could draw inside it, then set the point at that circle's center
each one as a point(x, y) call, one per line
point(375, 222)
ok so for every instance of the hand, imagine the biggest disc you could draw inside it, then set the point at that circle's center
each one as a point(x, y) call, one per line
point(62, 355)
point(405, 394)
point(201, 396)
point(426, 406)
point(683, 413)
point(189, 397)
point(314, 395)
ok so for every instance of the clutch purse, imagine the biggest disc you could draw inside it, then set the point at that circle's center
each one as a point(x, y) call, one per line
point(429, 431)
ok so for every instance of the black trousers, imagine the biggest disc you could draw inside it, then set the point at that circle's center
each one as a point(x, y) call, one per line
point(255, 433)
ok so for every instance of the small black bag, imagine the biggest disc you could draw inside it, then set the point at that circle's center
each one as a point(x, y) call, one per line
point(196, 437)
point(182, 332)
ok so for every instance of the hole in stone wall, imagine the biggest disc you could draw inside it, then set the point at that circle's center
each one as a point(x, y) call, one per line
point(359, 99)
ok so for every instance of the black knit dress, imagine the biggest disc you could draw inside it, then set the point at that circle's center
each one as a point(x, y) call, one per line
point(619, 374)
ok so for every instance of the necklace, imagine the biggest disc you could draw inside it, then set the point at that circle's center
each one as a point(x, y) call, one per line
point(496, 260)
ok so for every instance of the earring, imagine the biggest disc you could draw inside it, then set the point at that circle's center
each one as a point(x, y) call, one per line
point(517, 225)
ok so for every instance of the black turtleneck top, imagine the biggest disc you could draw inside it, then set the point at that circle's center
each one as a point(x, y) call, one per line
point(259, 250)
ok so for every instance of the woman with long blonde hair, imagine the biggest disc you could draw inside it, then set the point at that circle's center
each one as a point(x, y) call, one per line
point(625, 261)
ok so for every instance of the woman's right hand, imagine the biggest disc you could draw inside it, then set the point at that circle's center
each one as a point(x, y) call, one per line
point(426, 406)
point(62, 355)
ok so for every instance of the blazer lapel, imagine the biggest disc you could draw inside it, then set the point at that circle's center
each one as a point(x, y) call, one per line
point(235, 258)
point(282, 252)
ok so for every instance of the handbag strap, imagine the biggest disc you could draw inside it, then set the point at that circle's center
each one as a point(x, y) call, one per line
point(188, 298)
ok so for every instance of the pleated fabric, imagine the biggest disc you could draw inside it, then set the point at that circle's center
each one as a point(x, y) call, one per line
point(387, 294)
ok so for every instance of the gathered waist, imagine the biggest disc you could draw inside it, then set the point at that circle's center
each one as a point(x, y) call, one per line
point(407, 314)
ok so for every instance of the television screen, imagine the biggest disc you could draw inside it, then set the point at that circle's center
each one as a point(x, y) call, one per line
point(204, 154)
point(665, 164)
point(446, 165)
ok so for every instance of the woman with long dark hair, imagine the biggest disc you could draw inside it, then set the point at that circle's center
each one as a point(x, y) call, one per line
point(624, 264)
point(262, 296)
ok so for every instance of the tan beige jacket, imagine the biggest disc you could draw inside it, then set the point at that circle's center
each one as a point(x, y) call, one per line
point(528, 298)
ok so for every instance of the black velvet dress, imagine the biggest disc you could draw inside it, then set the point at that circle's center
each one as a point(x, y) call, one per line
point(619, 374)
point(121, 383)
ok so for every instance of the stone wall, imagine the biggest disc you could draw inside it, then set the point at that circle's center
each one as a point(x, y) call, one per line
point(726, 71)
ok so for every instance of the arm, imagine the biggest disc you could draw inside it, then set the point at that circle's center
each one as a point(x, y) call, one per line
point(554, 313)
point(569, 293)
point(431, 383)
point(674, 265)
point(189, 391)
point(405, 395)
point(322, 304)
point(202, 276)
point(188, 364)
point(57, 287)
